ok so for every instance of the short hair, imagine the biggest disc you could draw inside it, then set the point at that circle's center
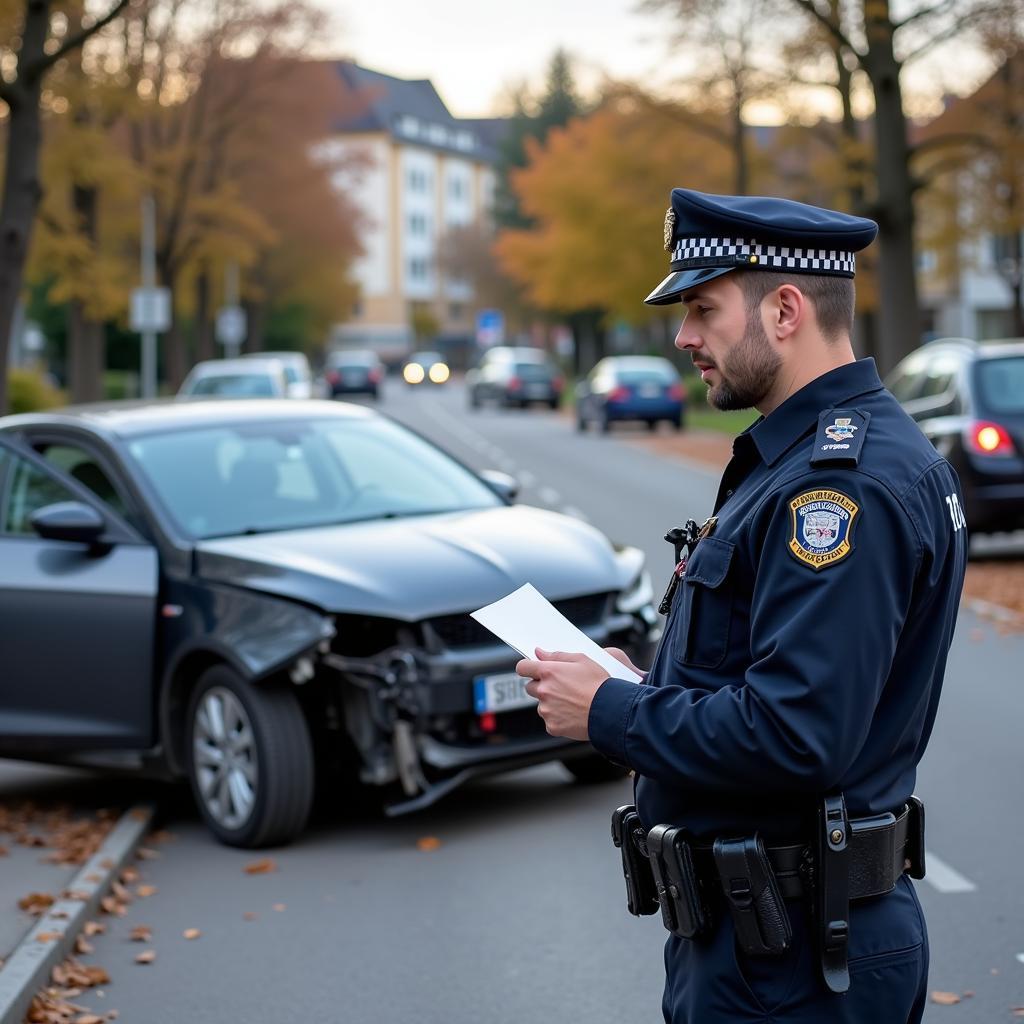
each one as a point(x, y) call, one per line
point(833, 297)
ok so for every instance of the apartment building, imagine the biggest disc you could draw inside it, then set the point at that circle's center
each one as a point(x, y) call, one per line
point(418, 173)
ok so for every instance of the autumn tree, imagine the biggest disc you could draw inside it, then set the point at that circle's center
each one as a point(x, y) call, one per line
point(35, 37)
point(596, 194)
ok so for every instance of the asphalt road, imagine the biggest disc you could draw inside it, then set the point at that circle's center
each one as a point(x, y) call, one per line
point(519, 913)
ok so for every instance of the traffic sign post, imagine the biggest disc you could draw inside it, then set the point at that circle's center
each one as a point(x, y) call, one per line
point(490, 328)
point(230, 329)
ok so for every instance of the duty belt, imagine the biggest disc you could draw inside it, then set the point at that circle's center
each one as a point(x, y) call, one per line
point(846, 860)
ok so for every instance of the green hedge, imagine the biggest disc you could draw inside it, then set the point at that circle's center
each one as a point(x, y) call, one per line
point(28, 391)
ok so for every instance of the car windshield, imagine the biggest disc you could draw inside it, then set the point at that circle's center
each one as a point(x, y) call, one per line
point(425, 358)
point(534, 371)
point(1001, 384)
point(646, 375)
point(240, 385)
point(291, 374)
point(259, 477)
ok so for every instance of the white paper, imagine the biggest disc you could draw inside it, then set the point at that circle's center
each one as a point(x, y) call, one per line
point(526, 620)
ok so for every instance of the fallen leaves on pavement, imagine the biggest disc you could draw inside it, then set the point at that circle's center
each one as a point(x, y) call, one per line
point(53, 1005)
point(1000, 583)
point(70, 838)
point(261, 867)
point(146, 890)
point(36, 902)
point(142, 933)
point(428, 843)
point(192, 933)
point(945, 998)
point(146, 957)
point(93, 928)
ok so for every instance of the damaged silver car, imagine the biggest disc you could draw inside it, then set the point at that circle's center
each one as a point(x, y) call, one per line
point(254, 594)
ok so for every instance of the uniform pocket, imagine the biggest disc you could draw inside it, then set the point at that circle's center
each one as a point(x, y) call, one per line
point(707, 597)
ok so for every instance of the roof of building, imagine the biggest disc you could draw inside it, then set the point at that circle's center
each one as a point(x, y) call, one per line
point(412, 111)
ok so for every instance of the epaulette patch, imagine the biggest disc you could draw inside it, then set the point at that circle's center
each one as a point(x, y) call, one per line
point(840, 437)
point(822, 527)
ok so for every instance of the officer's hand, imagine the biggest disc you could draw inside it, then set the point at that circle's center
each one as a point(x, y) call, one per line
point(620, 655)
point(564, 685)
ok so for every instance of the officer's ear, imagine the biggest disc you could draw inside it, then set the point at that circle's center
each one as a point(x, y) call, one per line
point(787, 311)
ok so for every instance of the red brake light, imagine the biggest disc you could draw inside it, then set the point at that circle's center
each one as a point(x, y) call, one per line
point(558, 383)
point(333, 377)
point(619, 394)
point(488, 722)
point(514, 383)
point(676, 392)
point(374, 376)
point(986, 438)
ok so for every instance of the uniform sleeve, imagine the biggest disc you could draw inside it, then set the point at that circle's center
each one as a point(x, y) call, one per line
point(824, 626)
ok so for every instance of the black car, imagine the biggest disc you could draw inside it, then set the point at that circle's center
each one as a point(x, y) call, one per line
point(514, 377)
point(353, 373)
point(251, 593)
point(968, 398)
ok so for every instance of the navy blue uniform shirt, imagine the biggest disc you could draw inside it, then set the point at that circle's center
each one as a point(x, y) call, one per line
point(807, 639)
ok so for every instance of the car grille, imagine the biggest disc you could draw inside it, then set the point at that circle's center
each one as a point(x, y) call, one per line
point(457, 631)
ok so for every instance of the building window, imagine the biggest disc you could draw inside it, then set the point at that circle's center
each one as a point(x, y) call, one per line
point(417, 269)
point(409, 126)
point(456, 188)
point(419, 181)
point(464, 140)
point(437, 135)
point(418, 224)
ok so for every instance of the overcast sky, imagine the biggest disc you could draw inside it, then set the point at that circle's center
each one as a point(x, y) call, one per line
point(474, 50)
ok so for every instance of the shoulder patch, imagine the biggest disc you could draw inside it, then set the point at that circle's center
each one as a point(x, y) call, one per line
point(840, 437)
point(822, 527)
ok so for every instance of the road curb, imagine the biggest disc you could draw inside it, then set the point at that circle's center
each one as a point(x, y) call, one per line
point(28, 968)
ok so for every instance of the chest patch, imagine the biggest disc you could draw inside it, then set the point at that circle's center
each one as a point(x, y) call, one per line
point(821, 531)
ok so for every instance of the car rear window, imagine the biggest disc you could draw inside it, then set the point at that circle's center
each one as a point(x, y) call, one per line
point(1001, 384)
point(534, 371)
point(652, 376)
point(240, 386)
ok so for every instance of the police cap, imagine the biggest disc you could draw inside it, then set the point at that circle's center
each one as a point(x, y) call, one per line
point(707, 236)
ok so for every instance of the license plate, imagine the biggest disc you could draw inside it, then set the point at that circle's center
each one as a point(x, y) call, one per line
point(537, 390)
point(504, 692)
point(650, 391)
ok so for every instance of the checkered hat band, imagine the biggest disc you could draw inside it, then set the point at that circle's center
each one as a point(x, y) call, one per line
point(735, 252)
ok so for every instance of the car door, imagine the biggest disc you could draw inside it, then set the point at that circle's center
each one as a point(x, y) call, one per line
point(77, 623)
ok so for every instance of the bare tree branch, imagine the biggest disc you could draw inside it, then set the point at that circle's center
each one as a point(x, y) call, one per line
point(944, 7)
point(43, 64)
point(951, 30)
point(833, 27)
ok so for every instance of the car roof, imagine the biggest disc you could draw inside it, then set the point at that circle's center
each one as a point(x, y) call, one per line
point(284, 357)
point(993, 348)
point(129, 419)
point(522, 352)
point(361, 354)
point(637, 362)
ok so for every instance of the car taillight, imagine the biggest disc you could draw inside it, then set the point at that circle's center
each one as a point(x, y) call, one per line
point(676, 392)
point(333, 377)
point(558, 383)
point(374, 376)
point(514, 383)
point(986, 438)
point(619, 394)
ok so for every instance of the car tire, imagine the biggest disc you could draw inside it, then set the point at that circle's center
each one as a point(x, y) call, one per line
point(474, 400)
point(652, 425)
point(268, 800)
point(606, 423)
point(581, 424)
point(591, 769)
point(553, 403)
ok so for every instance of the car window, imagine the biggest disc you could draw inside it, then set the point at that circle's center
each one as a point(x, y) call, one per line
point(533, 371)
point(936, 381)
point(905, 385)
point(29, 489)
point(1001, 384)
point(253, 478)
point(291, 374)
point(234, 386)
point(80, 464)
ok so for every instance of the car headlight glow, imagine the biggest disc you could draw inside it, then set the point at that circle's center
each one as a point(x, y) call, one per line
point(637, 594)
point(413, 373)
point(439, 373)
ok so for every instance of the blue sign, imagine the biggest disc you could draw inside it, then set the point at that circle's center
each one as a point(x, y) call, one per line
point(490, 327)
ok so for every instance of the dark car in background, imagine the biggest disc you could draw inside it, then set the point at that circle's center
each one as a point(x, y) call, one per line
point(968, 398)
point(647, 389)
point(514, 377)
point(257, 595)
point(353, 373)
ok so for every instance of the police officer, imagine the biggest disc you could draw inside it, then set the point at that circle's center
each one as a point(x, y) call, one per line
point(776, 737)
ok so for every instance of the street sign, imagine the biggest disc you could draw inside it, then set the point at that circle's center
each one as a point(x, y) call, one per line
point(151, 310)
point(231, 326)
point(490, 327)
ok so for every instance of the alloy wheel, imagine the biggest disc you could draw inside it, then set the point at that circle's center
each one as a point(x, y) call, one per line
point(224, 754)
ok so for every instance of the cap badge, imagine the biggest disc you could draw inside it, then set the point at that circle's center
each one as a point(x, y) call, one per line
point(670, 223)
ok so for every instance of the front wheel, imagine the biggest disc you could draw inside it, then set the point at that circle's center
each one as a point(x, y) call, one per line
point(250, 759)
point(593, 768)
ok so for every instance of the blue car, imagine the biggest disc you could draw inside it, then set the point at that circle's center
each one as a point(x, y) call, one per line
point(644, 388)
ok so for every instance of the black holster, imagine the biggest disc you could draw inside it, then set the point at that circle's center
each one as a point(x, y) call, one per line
point(628, 836)
point(832, 891)
point(752, 896)
point(683, 909)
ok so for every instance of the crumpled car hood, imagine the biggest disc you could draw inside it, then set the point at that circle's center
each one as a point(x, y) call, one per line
point(422, 566)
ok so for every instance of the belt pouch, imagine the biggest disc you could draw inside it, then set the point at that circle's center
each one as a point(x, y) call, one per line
point(682, 908)
point(832, 891)
point(641, 892)
point(752, 895)
point(914, 851)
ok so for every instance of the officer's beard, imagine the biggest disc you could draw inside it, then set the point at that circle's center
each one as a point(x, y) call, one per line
point(748, 372)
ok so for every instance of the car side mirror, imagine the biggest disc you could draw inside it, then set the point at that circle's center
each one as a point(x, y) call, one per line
point(69, 520)
point(507, 486)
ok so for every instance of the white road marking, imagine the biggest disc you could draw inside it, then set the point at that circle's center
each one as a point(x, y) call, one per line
point(549, 496)
point(944, 878)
